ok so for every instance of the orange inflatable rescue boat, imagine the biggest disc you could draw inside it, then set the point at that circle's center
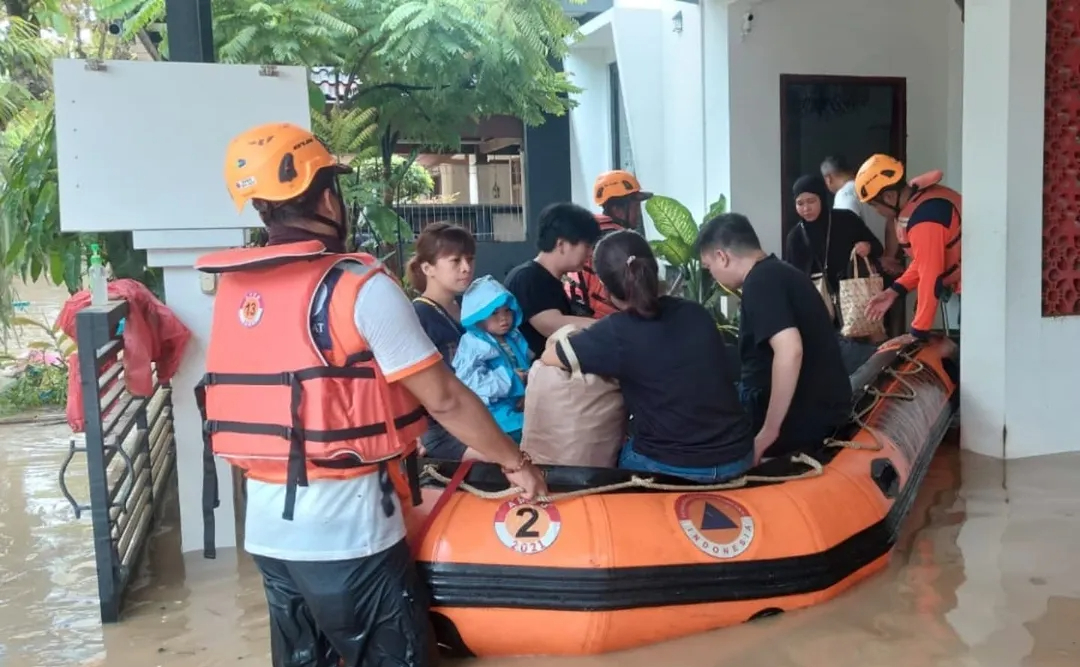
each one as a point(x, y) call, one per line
point(617, 559)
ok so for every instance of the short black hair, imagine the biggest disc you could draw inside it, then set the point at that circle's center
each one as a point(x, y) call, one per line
point(568, 222)
point(836, 164)
point(731, 232)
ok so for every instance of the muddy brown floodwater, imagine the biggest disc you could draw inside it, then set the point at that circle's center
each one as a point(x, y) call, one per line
point(987, 574)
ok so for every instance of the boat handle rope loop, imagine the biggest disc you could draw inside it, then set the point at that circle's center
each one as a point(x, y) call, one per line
point(816, 468)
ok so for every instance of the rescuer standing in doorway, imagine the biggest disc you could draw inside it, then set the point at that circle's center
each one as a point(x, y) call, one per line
point(619, 195)
point(318, 376)
point(928, 218)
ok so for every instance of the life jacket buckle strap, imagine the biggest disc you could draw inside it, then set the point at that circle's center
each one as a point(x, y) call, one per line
point(211, 498)
point(297, 465)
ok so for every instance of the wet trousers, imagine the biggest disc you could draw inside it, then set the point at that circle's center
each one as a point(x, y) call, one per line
point(366, 612)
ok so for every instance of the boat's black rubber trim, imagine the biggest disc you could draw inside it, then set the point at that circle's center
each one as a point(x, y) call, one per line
point(585, 589)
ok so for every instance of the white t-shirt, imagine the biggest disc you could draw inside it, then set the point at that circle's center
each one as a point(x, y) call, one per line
point(846, 198)
point(344, 519)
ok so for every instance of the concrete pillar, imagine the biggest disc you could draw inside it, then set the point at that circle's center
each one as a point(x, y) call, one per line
point(175, 252)
point(1003, 108)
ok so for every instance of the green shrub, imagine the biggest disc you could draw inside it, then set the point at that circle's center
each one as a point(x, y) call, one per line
point(39, 385)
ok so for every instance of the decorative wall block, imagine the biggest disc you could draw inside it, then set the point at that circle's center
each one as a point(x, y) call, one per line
point(1061, 179)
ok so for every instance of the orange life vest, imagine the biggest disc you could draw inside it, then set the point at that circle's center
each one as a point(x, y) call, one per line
point(927, 187)
point(584, 287)
point(284, 404)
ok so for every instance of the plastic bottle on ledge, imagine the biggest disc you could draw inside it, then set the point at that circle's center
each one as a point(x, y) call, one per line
point(99, 287)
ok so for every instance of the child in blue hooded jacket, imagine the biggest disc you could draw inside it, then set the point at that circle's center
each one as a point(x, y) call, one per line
point(492, 357)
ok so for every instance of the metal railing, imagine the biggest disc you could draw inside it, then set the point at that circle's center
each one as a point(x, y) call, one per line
point(130, 454)
point(486, 222)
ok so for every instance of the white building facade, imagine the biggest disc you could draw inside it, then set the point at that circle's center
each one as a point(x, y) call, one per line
point(687, 94)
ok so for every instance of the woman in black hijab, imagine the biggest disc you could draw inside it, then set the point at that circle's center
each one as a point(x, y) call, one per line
point(824, 238)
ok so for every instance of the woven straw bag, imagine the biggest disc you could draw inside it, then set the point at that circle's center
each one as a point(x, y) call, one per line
point(855, 293)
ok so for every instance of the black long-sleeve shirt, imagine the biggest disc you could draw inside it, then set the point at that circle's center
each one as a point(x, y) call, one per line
point(847, 230)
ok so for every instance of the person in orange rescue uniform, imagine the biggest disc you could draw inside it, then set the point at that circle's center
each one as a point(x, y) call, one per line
point(928, 221)
point(318, 378)
point(619, 195)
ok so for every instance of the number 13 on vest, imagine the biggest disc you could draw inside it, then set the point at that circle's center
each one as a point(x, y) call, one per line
point(527, 527)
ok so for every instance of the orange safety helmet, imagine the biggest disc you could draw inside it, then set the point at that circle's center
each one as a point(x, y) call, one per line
point(877, 174)
point(276, 162)
point(617, 183)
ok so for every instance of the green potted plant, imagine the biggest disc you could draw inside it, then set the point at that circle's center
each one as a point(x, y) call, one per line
point(679, 230)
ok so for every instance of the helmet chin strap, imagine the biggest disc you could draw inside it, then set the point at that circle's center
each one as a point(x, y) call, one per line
point(338, 226)
point(324, 229)
point(896, 208)
point(620, 216)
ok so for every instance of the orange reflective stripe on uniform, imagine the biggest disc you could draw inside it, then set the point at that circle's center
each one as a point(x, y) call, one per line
point(584, 286)
point(277, 403)
point(934, 244)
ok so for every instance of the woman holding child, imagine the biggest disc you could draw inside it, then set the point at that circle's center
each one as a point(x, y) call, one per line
point(669, 359)
point(441, 269)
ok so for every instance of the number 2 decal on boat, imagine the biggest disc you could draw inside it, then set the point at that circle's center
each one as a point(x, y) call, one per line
point(527, 527)
point(718, 527)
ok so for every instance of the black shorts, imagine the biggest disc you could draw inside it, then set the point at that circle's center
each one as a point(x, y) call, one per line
point(366, 612)
point(440, 444)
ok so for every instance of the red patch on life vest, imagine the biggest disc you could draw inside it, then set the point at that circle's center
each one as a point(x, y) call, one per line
point(251, 309)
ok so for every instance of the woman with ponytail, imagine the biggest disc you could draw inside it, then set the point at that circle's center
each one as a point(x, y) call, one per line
point(670, 361)
point(441, 269)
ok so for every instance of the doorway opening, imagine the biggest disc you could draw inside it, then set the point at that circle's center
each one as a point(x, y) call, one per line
point(850, 116)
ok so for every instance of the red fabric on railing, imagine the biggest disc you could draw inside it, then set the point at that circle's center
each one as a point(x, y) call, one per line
point(152, 333)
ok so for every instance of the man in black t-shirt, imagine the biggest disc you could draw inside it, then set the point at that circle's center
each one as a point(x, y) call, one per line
point(566, 234)
point(794, 384)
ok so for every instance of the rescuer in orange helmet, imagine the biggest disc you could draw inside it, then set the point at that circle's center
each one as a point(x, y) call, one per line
point(928, 217)
point(619, 195)
point(319, 379)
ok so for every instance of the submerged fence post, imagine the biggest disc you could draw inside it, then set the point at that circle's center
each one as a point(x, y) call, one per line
point(95, 329)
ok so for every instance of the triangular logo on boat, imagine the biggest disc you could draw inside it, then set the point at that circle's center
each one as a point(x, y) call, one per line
point(714, 519)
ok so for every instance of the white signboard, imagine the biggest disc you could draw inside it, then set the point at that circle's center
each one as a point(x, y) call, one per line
point(141, 145)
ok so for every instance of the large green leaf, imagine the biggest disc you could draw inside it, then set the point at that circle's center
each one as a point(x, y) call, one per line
point(387, 225)
point(56, 266)
point(672, 219)
point(673, 251)
point(316, 98)
point(719, 207)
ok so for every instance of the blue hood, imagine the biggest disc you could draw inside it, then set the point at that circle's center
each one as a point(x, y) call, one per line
point(483, 298)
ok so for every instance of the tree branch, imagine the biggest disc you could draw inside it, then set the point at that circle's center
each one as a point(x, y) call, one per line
point(367, 54)
point(148, 44)
point(403, 87)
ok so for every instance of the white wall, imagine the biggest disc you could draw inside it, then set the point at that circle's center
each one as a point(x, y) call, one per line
point(590, 120)
point(838, 37)
point(1019, 369)
point(716, 75)
point(954, 161)
point(660, 73)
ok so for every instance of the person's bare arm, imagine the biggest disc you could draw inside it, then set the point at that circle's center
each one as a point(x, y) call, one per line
point(550, 357)
point(787, 363)
point(461, 413)
point(549, 321)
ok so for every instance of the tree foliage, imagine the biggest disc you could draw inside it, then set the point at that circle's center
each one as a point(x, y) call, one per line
point(32, 245)
point(428, 66)
point(413, 69)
